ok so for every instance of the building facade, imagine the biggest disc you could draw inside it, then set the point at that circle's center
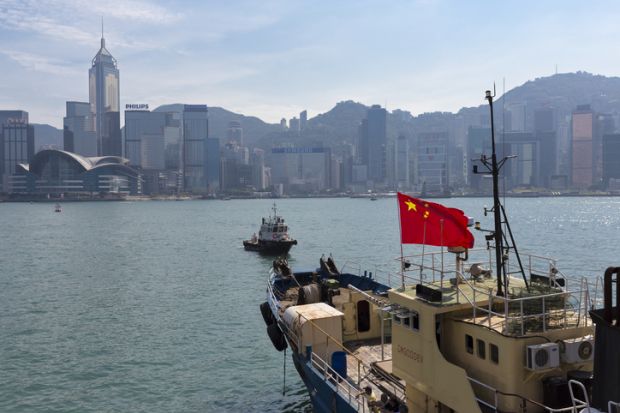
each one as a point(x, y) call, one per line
point(433, 163)
point(55, 173)
point(583, 151)
point(16, 146)
point(611, 158)
point(79, 135)
point(376, 142)
point(195, 133)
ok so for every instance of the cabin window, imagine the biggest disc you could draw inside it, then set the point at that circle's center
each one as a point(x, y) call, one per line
point(363, 316)
point(469, 344)
point(481, 345)
point(494, 353)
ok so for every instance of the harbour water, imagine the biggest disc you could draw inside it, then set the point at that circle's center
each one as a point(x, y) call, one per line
point(153, 306)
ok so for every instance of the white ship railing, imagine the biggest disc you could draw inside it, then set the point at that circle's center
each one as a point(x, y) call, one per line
point(352, 394)
point(575, 301)
point(492, 402)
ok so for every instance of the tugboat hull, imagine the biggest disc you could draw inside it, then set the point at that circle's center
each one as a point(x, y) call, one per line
point(269, 247)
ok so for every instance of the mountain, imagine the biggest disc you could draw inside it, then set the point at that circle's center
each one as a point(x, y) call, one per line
point(46, 136)
point(219, 118)
point(561, 92)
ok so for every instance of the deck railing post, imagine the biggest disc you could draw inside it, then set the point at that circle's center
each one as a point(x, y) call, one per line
point(544, 314)
point(506, 311)
point(475, 305)
point(490, 305)
point(522, 321)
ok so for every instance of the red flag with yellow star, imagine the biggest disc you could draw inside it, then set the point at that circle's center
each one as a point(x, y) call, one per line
point(423, 222)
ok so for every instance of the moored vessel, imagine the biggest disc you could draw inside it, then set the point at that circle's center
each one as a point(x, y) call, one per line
point(272, 238)
point(454, 329)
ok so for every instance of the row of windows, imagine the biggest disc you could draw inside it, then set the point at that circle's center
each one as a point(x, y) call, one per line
point(406, 318)
point(481, 349)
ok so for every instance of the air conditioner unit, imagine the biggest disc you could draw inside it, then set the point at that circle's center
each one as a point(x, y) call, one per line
point(577, 350)
point(542, 356)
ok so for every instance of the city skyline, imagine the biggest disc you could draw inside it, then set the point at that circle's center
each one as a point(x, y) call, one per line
point(276, 59)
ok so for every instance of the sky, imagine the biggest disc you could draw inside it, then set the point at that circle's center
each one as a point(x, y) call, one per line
point(273, 59)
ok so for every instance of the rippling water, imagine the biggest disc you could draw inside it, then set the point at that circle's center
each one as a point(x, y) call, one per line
point(153, 306)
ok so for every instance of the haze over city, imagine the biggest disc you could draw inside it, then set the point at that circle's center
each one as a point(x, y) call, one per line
point(274, 59)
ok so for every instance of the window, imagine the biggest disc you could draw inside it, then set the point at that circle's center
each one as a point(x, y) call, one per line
point(469, 344)
point(363, 316)
point(481, 345)
point(494, 350)
point(407, 319)
point(416, 321)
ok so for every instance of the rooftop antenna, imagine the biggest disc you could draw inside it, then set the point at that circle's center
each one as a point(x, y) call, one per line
point(502, 245)
point(102, 39)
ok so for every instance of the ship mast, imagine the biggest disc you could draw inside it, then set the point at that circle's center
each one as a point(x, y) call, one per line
point(502, 246)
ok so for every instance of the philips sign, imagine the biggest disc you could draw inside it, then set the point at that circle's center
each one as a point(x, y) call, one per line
point(137, 106)
point(298, 150)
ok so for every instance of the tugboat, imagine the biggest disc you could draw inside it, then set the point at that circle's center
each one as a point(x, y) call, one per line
point(273, 237)
point(458, 329)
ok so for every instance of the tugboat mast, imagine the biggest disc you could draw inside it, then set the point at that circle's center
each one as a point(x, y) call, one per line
point(502, 245)
point(496, 203)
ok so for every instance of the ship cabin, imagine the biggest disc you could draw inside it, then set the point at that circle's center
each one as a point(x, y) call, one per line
point(273, 228)
point(461, 347)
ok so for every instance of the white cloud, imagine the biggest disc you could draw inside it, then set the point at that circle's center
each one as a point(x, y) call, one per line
point(40, 63)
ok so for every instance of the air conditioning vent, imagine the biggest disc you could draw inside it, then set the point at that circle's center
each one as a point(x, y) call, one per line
point(577, 350)
point(542, 356)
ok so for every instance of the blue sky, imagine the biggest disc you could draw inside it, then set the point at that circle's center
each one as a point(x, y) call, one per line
point(273, 59)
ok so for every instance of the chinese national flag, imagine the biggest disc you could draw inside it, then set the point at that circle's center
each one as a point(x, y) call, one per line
point(415, 214)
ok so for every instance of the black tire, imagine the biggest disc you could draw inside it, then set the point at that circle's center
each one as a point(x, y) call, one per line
point(276, 336)
point(265, 311)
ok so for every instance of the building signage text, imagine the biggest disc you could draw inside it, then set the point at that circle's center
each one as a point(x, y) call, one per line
point(298, 150)
point(137, 106)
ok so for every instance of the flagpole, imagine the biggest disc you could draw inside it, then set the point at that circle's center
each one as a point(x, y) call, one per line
point(402, 257)
point(423, 246)
point(441, 237)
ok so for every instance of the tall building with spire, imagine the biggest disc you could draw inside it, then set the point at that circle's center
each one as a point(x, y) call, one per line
point(104, 98)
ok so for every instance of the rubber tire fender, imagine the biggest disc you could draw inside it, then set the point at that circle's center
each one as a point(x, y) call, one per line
point(277, 337)
point(265, 311)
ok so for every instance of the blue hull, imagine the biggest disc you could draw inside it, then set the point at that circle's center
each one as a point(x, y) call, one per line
point(323, 394)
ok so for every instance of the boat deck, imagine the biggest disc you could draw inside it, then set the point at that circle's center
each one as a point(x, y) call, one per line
point(367, 362)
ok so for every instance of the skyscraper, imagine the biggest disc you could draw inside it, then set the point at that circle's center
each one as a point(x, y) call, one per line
point(78, 134)
point(16, 144)
point(234, 133)
point(433, 162)
point(303, 120)
point(195, 133)
point(144, 138)
point(583, 151)
point(402, 162)
point(104, 97)
point(377, 140)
